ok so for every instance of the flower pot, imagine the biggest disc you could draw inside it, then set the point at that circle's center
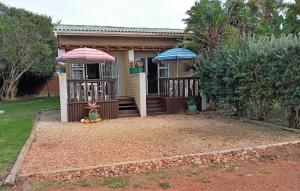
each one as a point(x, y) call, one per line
point(192, 108)
point(61, 69)
point(135, 70)
point(93, 115)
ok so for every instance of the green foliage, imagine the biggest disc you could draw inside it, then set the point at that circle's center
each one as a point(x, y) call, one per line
point(209, 21)
point(191, 101)
point(256, 74)
point(28, 45)
point(204, 24)
point(115, 182)
point(165, 185)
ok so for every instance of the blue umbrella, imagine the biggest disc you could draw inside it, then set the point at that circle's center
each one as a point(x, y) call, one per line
point(175, 54)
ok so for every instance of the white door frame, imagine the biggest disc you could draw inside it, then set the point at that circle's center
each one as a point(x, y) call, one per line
point(158, 74)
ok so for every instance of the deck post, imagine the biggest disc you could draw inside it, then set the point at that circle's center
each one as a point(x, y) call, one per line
point(63, 94)
point(143, 101)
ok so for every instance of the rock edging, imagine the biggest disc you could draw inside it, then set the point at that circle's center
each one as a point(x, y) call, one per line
point(138, 167)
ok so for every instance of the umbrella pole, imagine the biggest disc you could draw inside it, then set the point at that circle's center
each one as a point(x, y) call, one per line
point(177, 66)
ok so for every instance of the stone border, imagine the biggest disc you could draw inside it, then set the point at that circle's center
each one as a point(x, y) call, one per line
point(138, 167)
point(11, 177)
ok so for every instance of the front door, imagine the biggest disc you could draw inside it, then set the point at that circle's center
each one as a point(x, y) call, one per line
point(92, 71)
point(152, 77)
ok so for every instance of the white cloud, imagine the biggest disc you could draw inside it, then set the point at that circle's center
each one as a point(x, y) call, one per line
point(132, 13)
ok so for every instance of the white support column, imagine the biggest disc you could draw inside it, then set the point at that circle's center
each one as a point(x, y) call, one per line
point(203, 101)
point(63, 94)
point(143, 105)
point(131, 55)
point(60, 52)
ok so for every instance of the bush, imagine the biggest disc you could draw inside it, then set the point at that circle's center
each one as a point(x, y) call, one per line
point(253, 76)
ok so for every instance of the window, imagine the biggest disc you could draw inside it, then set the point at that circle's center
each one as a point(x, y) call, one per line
point(78, 71)
point(163, 70)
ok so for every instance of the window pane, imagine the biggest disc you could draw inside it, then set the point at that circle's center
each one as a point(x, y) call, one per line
point(164, 72)
point(77, 71)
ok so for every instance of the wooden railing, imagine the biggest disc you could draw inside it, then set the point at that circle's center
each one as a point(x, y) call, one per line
point(91, 90)
point(179, 87)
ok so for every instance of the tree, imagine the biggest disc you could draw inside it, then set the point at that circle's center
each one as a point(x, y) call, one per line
point(28, 45)
point(204, 24)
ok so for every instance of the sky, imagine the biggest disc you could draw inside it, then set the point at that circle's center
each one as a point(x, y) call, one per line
point(125, 13)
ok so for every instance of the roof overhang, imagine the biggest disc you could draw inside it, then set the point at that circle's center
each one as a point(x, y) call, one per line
point(120, 34)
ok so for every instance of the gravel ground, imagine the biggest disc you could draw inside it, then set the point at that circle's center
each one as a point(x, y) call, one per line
point(74, 145)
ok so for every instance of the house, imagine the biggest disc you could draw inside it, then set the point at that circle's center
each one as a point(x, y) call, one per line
point(156, 90)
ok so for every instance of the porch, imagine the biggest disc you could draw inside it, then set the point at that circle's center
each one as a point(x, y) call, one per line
point(121, 94)
point(171, 99)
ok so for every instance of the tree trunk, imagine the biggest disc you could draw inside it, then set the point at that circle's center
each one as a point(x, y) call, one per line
point(9, 89)
point(212, 104)
point(48, 88)
point(293, 120)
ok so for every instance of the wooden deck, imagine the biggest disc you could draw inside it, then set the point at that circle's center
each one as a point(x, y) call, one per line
point(174, 92)
point(101, 91)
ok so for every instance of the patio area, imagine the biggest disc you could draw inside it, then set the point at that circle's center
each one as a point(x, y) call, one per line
point(60, 146)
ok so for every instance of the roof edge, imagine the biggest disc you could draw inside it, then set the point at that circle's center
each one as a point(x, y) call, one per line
point(63, 29)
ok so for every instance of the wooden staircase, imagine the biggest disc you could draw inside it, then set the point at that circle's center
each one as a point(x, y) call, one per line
point(127, 107)
point(155, 106)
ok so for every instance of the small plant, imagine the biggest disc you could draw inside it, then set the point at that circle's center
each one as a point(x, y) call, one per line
point(136, 67)
point(264, 171)
point(191, 101)
point(83, 183)
point(205, 180)
point(191, 105)
point(93, 107)
point(93, 113)
point(157, 175)
point(131, 64)
point(165, 185)
point(115, 182)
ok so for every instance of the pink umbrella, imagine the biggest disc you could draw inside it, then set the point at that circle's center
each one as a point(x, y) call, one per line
point(85, 56)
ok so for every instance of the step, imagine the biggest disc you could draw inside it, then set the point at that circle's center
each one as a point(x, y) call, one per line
point(126, 104)
point(127, 107)
point(154, 110)
point(156, 113)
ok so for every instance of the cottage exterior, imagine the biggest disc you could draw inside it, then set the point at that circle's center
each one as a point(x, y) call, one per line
point(120, 94)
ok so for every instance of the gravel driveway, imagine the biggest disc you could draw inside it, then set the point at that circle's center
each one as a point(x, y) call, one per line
point(75, 145)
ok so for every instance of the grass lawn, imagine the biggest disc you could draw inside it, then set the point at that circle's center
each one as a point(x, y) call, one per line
point(15, 126)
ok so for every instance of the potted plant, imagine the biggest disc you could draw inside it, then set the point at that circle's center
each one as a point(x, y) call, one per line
point(93, 113)
point(192, 106)
point(60, 68)
point(135, 68)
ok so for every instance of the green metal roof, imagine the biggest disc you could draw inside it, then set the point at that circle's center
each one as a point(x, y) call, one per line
point(91, 28)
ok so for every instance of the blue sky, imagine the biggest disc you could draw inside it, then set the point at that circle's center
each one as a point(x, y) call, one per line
point(131, 13)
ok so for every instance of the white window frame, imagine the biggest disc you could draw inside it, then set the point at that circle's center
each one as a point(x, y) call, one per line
point(78, 67)
point(158, 73)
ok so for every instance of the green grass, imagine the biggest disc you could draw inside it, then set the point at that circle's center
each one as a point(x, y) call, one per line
point(115, 182)
point(16, 124)
point(165, 185)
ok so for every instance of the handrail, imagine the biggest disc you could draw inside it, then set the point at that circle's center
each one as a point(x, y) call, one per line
point(87, 90)
point(179, 87)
